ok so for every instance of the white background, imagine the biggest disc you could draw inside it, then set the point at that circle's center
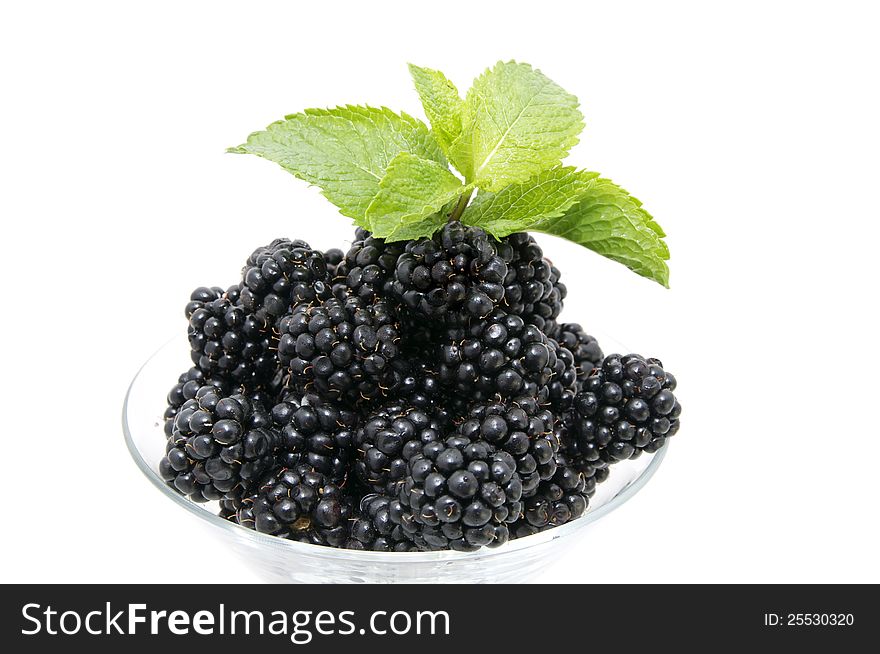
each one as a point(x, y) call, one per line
point(750, 132)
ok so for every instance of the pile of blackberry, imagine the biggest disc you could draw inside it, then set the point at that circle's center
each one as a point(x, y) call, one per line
point(417, 395)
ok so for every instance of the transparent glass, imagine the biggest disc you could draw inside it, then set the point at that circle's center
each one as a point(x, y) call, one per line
point(279, 560)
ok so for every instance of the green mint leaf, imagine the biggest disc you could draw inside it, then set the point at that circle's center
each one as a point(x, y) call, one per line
point(608, 220)
point(516, 123)
point(442, 104)
point(344, 151)
point(519, 207)
point(411, 197)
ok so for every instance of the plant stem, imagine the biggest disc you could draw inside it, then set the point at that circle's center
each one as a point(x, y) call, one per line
point(460, 207)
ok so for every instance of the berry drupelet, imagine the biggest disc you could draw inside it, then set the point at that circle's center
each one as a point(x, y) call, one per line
point(626, 407)
point(280, 275)
point(226, 341)
point(457, 271)
point(219, 445)
point(389, 437)
point(341, 350)
point(458, 494)
point(300, 504)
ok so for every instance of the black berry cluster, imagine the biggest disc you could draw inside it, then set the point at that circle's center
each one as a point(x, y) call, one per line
point(298, 503)
point(626, 407)
point(367, 268)
point(499, 354)
point(343, 350)
point(414, 395)
point(522, 428)
point(458, 494)
point(227, 341)
point(281, 274)
point(188, 384)
point(458, 272)
point(315, 432)
point(373, 529)
point(389, 437)
point(219, 445)
point(558, 500)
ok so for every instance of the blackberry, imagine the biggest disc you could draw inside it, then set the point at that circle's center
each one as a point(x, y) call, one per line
point(559, 500)
point(219, 445)
point(499, 355)
point(204, 294)
point(626, 407)
point(585, 348)
point(226, 341)
point(457, 271)
point(342, 350)
point(531, 287)
point(316, 433)
point(300, 504)
point(366, 270)
point(521, 427)
point(373, 529)
point(458, 494)
point(388, 438)
point(280, 275)
point(185, 389)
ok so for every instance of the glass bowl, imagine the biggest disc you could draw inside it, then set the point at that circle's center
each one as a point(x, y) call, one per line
point(279, 560)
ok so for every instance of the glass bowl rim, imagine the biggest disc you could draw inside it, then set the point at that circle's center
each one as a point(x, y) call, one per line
point(308, 549)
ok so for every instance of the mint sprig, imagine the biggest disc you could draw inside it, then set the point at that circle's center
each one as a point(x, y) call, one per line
point(507, 138)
